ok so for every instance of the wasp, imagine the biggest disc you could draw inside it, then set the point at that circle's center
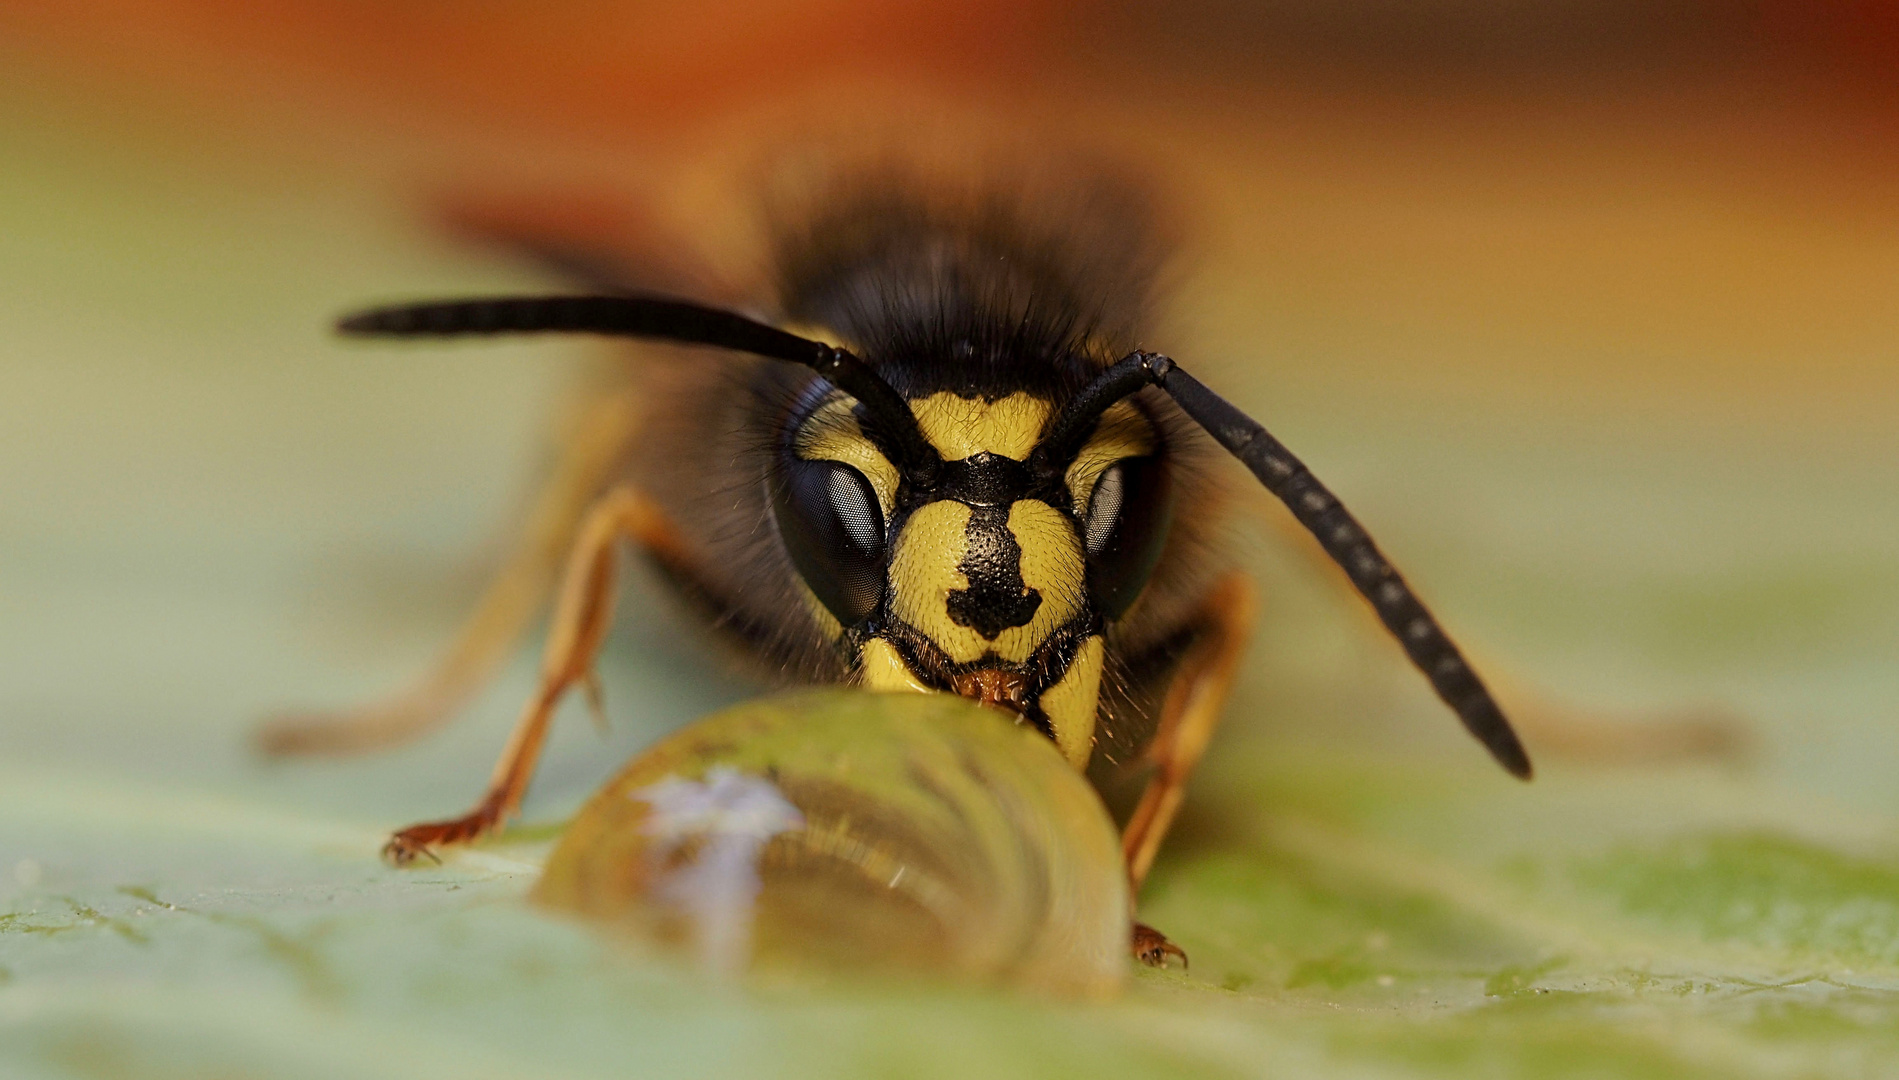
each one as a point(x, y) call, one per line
point(933, 454)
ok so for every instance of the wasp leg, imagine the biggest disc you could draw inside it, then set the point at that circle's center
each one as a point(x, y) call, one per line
point(1152, 948)
point(1696, 733)
point(504, 612)
point(1189, 716)
point(1710, 733)
point(581, 619)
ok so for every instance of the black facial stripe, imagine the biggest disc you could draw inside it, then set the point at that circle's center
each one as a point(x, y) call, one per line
point(997, 598)
point(987, 479)
point(1044, 668)
point(1049, 663)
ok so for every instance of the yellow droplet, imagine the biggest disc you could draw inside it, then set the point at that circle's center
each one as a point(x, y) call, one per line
point(846, 831)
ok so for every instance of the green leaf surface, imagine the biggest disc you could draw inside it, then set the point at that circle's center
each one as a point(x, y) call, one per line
point(208, 510)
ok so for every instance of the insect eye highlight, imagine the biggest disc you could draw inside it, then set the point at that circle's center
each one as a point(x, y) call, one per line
point(833, 530)
point(1129, 512)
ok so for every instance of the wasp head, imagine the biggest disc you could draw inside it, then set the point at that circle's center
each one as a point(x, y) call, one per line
point(992, 572)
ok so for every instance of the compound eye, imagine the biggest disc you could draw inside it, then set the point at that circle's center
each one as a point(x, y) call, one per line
point(834, 531)
point(1129, 512)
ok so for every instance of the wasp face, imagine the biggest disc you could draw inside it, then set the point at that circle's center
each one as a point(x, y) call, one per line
point(998, 578)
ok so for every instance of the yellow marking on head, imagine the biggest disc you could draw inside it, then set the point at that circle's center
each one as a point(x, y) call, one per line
point(1123, 432)
point(1071, 704)
point(961, 427)
point(831, 433)
point(925, 569)
point(1052, 564)
point(881, 669)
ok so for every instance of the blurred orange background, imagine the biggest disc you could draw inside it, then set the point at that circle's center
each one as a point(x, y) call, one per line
point(1589, 309)
point(1696, 198)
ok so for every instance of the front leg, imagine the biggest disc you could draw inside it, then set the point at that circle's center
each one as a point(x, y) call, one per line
point(581, 619)
point(1189, 715)
point(507, 608)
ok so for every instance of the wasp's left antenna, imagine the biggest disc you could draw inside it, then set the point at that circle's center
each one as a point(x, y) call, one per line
point(891, 424)
point(1340, 534)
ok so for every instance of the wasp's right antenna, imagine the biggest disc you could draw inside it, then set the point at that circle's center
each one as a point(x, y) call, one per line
point(891, 424)
point(1340, 534)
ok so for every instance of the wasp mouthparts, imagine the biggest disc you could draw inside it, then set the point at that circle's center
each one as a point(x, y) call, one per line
point(994, 686)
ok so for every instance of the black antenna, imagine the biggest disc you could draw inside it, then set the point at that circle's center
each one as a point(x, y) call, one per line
point(891, 424)
point(1318, 510)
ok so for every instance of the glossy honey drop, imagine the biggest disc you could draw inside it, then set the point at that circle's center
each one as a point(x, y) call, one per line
point(855, 831)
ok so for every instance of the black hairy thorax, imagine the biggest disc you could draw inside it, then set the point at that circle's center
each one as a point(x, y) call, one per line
point(981, 298)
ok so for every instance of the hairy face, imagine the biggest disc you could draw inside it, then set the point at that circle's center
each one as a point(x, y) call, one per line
point(991, 583)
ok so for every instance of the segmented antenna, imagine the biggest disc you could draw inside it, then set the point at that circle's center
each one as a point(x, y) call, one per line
point(893, 427)
point(1340, 534)
point(890, 423)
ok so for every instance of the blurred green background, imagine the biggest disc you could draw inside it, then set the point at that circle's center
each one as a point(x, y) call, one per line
point(1587, 310)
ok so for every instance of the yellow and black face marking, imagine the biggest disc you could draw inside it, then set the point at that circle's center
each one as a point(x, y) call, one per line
point(1017, 525)
point(985, 586)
